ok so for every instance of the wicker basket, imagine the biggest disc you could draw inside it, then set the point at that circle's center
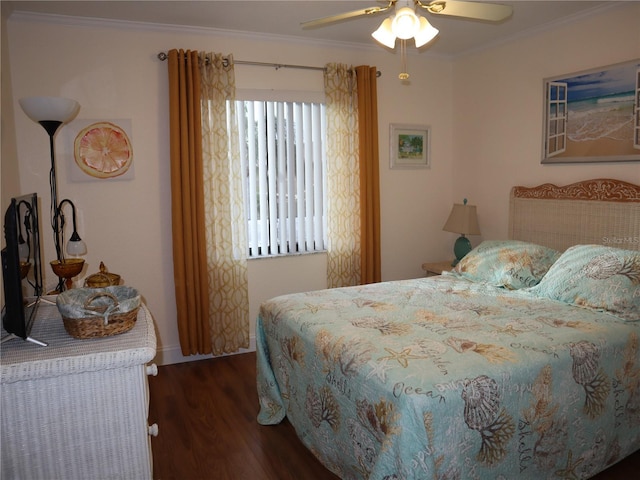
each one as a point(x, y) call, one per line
point(98, 312)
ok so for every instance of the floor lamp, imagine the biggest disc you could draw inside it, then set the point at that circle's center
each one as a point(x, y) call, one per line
point(51, 113)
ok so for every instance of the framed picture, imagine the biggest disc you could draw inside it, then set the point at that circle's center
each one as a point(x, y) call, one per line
point(409, 146)
point(593, 116)
point(98, 150)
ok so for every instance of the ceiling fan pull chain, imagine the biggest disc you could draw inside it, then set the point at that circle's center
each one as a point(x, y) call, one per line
point(404, 74)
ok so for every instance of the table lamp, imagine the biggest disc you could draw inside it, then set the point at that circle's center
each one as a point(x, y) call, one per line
point(463, 219)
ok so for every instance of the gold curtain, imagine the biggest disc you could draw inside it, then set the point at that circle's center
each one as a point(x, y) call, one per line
point(225, 220)
point(187, 203)
point(353, 176)
point(369, 174)
point(343, 182)
point(208, 223)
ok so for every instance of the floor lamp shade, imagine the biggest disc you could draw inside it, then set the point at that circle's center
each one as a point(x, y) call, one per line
point(42, 109)
point(463, 219)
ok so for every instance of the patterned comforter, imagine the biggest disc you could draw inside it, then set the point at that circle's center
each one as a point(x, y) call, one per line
point(447, 379)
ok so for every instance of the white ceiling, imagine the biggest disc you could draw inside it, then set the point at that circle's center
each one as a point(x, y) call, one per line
point(283, 18)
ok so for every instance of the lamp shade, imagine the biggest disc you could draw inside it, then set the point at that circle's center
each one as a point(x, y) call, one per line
point(76, 247)
point(42, 109)
point(426, 33)
point(463, 219)
point(384, 34)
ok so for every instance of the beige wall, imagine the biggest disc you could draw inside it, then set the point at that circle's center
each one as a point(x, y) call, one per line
point(484, 110)
point(498, 110)
point(9, 168)
point(9, 171)
point(113, 72)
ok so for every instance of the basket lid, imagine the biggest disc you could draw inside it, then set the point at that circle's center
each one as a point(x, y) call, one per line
point(102, 279)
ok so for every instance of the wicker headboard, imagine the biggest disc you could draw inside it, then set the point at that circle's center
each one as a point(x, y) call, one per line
point(601, 211)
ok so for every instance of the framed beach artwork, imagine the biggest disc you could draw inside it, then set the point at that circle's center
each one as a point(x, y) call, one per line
point(593, 116)
point(409, 146)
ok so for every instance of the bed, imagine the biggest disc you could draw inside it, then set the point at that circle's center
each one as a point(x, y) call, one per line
point(522, 362)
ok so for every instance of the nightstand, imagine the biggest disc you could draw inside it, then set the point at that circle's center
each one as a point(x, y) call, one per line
point(436, 268)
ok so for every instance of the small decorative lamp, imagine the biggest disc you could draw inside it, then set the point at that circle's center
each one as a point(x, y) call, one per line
point(76, 245)
point(463, 219)
point(67, 268)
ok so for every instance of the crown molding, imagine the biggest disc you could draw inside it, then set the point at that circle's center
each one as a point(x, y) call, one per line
point(69, 20)
point(263, 37)
point(530, 32)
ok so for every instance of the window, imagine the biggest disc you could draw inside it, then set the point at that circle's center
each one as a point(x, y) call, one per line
point(283, 154)
point(557, 116)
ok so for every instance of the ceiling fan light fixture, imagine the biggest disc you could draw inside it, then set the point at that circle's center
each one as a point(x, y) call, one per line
point(384, 34)
point(426, 33)
point(406, 23)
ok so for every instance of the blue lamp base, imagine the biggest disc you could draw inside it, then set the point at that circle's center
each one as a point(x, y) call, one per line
point(460, 249)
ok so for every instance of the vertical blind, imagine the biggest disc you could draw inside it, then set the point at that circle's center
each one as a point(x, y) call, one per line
point(282, 151)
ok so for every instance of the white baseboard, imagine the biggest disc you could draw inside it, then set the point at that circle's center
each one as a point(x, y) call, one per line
point(171, 354)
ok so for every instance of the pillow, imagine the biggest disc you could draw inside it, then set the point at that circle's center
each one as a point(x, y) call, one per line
point(598, 277)
point(511, 264)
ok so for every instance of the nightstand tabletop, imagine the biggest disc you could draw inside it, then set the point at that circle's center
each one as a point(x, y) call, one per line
point(436, 268)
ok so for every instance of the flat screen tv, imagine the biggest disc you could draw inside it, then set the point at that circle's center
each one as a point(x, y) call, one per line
point(21, 268)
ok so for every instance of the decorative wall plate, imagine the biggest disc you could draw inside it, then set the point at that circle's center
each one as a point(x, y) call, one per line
point(103, 150)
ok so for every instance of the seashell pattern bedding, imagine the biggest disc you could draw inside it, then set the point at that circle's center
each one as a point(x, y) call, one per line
point(444, 377)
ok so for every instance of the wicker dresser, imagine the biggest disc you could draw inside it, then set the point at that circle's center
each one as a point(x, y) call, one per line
point(77, 409)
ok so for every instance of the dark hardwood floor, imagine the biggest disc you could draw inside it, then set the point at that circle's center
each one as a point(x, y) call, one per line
point(206, 411)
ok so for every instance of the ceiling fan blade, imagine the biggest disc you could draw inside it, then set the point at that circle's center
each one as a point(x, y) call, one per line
point(319, 22)
point(480, 11)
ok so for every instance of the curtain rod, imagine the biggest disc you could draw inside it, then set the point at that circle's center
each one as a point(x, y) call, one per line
point(163, 56)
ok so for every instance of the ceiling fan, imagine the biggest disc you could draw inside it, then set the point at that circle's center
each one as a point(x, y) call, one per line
point(404, 23)
point(475, 10)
